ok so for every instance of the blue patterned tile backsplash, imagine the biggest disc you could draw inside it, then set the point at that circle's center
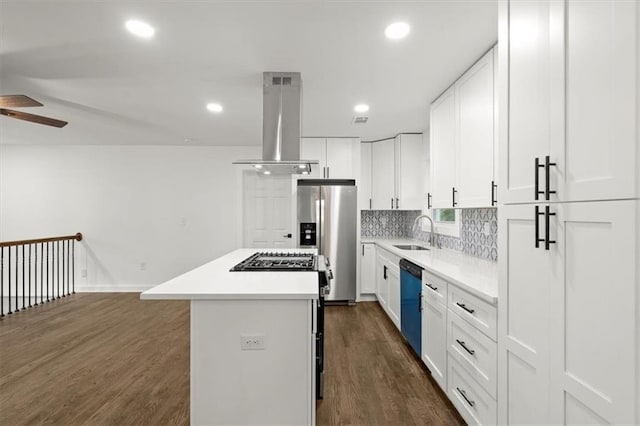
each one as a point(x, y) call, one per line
point(476, 238)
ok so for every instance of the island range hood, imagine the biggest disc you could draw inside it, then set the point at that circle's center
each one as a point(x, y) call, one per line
point(281, 122)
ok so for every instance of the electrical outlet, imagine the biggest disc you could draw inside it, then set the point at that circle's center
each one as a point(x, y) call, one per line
point(83, 273)
point(143, 266)
point(253, 342)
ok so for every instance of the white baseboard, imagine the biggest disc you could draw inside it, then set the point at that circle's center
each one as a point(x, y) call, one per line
point(112, 288)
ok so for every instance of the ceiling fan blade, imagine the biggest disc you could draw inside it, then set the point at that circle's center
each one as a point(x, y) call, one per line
point(17, 101)
point(32, 118)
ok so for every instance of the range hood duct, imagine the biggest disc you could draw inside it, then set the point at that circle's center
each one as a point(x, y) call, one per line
point(281, 123)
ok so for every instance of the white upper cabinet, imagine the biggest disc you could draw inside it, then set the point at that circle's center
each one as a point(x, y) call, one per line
point(339, 157)
point(443, 149)
point(463, 140)
point(474, 93)
point(571, 71)
point(383, 172)
point(411, 166)
point(364, 186)
point(398, 173)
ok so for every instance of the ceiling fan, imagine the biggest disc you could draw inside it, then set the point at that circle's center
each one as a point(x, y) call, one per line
point(23, 101)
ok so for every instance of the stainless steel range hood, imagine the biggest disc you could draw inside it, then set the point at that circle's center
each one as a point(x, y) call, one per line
point(281, 122)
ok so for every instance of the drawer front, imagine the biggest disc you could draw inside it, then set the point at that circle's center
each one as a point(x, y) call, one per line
point(474, 351)
point(474, 404)
point(434, 287)
point(478, 313)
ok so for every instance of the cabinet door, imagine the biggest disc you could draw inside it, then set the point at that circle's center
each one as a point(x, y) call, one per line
point(524, 46)
point(364, 184)
point(596, 150)
point(383, 187)
point(340, 158)
point(368, 269)
point(382, 283)
point(523, 319)
point(443, 149)
point(594, 303)
point(474, 109)
point(393, 277)
point(434, 339)
point(411, 164)
point(314, 149)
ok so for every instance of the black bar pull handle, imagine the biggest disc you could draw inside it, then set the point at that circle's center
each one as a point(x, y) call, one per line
point(464, 346)
point(494, 188)
point(431, 286)
point(397, 203)
point(547, 215)
point(463, 306)
point(362, 249)
point(384, 271)
point(428, 200)
point(537, 214)
point(370, 204)
point(453, 196)
point(391, 203)
point(536, 186)
point(547, 175)
point(419, 301)
point(464, 395)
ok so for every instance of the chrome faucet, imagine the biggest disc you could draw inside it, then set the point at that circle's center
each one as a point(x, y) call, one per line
point(432, 236)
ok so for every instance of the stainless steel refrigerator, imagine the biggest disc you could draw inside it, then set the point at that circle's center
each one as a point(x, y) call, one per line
point(327, 214)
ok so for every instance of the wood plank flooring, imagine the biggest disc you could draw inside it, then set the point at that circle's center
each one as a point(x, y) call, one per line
point(111, 359)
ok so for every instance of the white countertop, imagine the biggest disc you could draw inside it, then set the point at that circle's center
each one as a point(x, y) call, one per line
point(477, 276)
point(214, 281)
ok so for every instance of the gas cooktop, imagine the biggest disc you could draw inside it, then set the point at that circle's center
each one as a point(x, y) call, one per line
point(277, 261)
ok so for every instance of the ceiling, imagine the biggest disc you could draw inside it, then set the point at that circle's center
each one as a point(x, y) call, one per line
point(77, 58)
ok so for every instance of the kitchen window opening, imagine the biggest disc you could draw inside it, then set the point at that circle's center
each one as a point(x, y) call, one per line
point(447, 222)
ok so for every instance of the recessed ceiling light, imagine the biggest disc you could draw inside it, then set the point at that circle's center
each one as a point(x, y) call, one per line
point(213, 107)
point(258, 166)
point(302, 166)
point(139, 28)
point(305, 172)
point(267, 172)
point(397, 30)
point(361, 108)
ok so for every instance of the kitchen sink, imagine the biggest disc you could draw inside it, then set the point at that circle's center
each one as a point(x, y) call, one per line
point(410, 247)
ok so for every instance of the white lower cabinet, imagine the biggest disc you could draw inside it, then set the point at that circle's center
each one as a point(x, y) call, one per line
point(393, 307)
point(388, 284)
point(434, 339)
point(382, 285)
point(367, 268)
point(474, 404)
point(569, 326)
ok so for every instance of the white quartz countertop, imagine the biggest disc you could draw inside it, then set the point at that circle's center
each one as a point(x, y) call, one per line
point(214, 281)
point(477, 276)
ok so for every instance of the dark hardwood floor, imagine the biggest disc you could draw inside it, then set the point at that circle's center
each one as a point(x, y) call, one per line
point(111, 359)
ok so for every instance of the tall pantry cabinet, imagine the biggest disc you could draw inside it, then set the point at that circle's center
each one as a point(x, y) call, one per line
point(569, 286)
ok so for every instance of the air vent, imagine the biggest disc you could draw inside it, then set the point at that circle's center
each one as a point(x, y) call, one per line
point(360, 119)
point(281, 81)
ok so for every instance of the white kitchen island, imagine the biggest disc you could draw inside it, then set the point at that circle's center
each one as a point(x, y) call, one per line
point(252, 342)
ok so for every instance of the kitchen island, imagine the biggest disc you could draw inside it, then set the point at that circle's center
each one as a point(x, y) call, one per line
point(252, 341)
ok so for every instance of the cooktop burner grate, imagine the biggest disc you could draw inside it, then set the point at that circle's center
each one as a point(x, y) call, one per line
point(277, 261)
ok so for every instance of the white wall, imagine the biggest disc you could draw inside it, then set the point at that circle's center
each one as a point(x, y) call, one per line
point(172, 208)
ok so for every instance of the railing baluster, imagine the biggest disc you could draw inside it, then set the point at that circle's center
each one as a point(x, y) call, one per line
point(57, 269)
point(68, 270)
point(17, 256)
point(41, 272)
point(9, 281)
point(1, 282)
point(35, 276)
point(47, 271)
point(30, 305)
point(23, 279)
point(63, 269)
point(73, 265)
